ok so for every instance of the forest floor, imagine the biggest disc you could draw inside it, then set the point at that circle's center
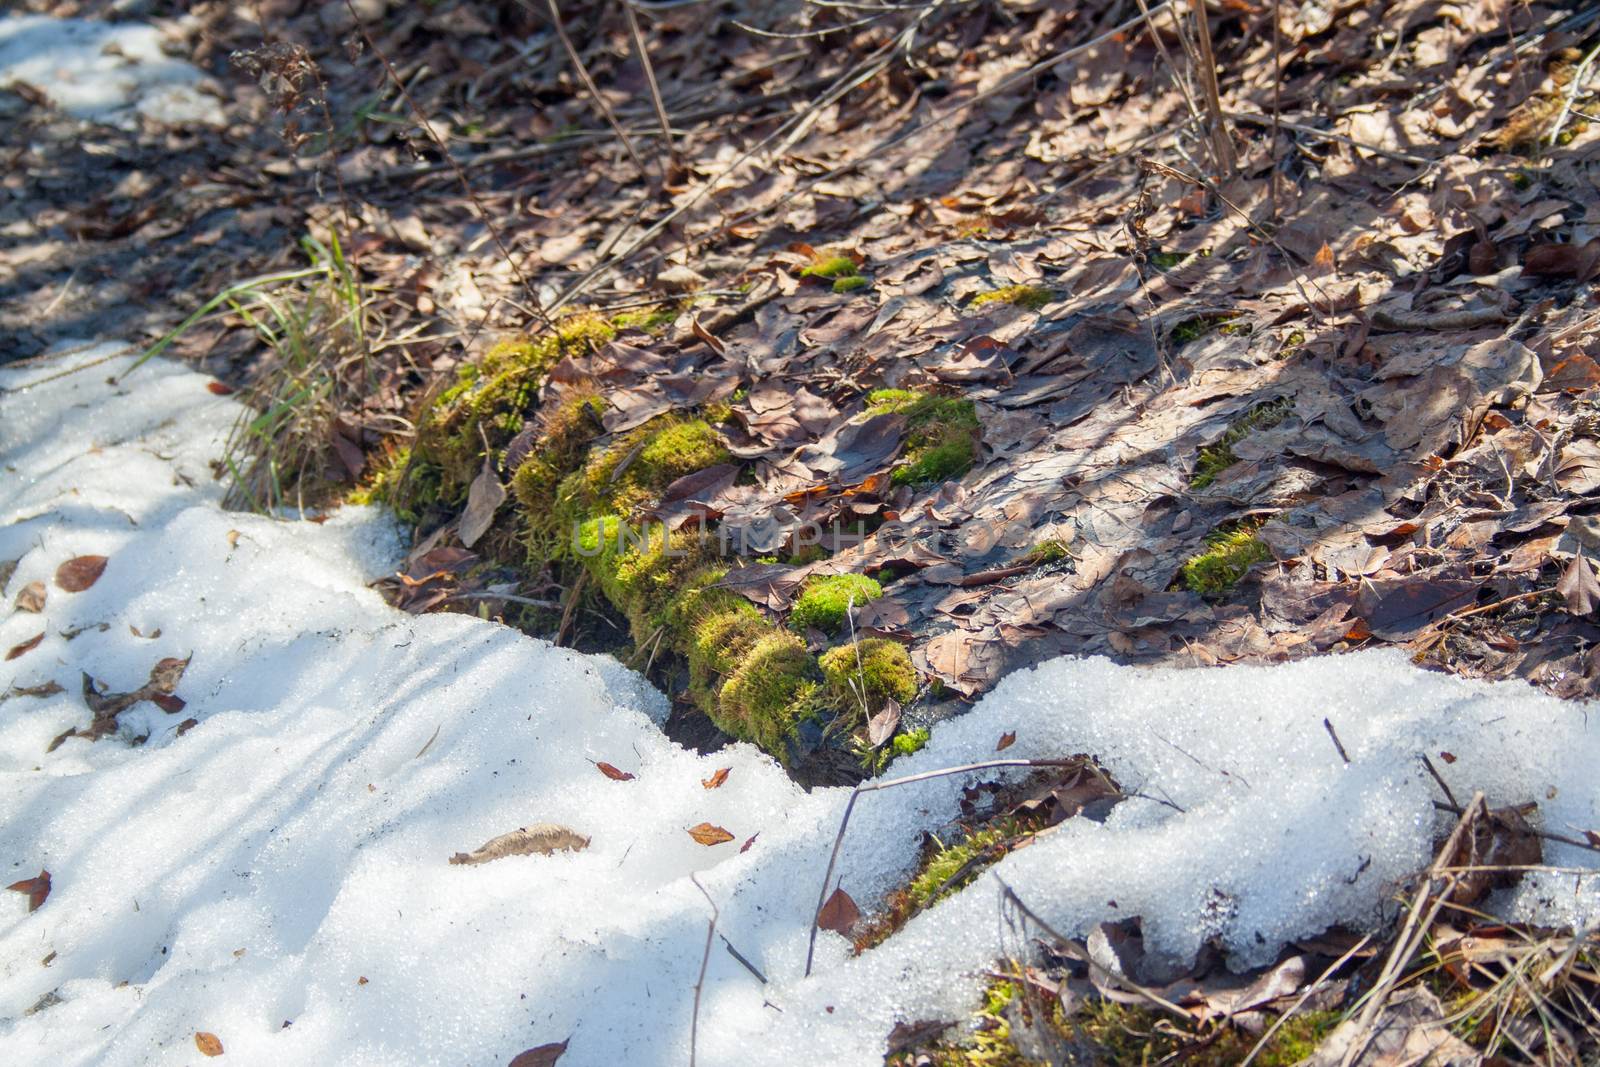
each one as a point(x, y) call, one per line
point(1095, 333)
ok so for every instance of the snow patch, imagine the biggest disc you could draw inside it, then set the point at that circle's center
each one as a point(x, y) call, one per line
point(251, 872)
point(109, 71)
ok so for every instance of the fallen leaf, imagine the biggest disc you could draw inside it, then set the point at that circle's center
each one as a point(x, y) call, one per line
point(1448, 757)
point(543, 1056)
point(708, 835)
point(613, 773)
point(219, 389)
point(362, 980)
point(1592, 837)
point(45, 689)
point(79, 573)
point(27, 646)
point(37, 889)
point(882, 725)
point(1579, 586)
point(752, 840)
point(716, 780)
point(186, 725)
point(839, 914)
point(31, 598)
point(544, 838)
point(484, 498)
point(1575, 261)
point(1006, 741)
point(168, 703)
point(208, 1044)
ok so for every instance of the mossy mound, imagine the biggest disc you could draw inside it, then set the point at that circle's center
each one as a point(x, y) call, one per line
point(827, 600)
point(941, 435)
point(1228, 556)
point(872, 671)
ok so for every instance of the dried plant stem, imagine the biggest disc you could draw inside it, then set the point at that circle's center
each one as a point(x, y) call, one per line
point(705, 960)
point(650, 80)
point(1310, 990)
point(588, 82)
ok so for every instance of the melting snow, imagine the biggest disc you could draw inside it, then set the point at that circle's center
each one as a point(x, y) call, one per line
point(102, 70)
point(243, 878)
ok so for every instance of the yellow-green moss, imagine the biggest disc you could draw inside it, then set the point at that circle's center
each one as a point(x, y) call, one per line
point(1030, 297)
point(1218, 457)
point(830, 267)
point(771, 690)
point(941, 434)
point(874, 669)
point(492, 397)
point(1197, 327)
point(1053, 550)
point(849, 283)
point(827, 599)
point(1229, 554)
point(650, 320)
point(930, 883)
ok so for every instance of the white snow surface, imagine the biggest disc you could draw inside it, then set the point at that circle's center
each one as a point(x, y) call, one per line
point(243, 878)
point(110, 71)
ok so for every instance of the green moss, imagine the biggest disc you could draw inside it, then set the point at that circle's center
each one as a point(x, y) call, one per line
point(830, 267)
point(849, 283)
point(1226, 559)
point(1167, 260)
point(941, 434)
point(911, 741)
point(1197, 327)
point(875, 669)
point(826, 600)
point(677, 449)
point(1031, 297)
point(491, 399)
point(933, 882)
point(1053, 550)
point(1218, 457)
point(651, 319)
point(773, 688)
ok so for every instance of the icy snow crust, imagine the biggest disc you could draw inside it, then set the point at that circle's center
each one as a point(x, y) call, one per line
point(102, 70)
point(249, 873)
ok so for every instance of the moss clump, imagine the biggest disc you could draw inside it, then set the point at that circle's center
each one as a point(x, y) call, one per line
point(830, 267)
point(564, 437)
point(630, 473)
point(1030, 297)
point(651, 319)
point(771, 691)
point(935, 879)
point(490, 399)
point(1197, 327)
point(941, 434)
point(1229, 554)
point(849, 283)
point(1053, 550)
point(873, 671)
point(1216, 458)
point(826, 600)
point(1167, 260)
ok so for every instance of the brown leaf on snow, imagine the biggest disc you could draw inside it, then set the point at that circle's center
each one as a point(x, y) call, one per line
point(716, 780)
point(613, 773)
point(709, 835)
point(544, 838)
point(207, 1043)
point(31, 598)
point(79, 573)
point(1579, 587)
point(542, 1056)
point(752, 840)
point(25, 647)
point(839, 914)
point(37, 888)
point(1006, 741)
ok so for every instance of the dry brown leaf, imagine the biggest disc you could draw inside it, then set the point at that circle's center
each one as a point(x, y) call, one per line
point(708, 835)
point(839, 914)
point(716, 780)
point(79, 573)
point(207, 1043)
point(1579, 587)
point(25, 647)
point(613, 773)
point(750, 841)
point(37, 888)
point(1006, 741)
point(484, 498)
point(882, 725)
point(542, 1056)
point(219, 389)
point(544, 838)
point(31, 598)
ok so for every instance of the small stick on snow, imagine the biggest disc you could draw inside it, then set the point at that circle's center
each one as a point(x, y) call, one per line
point(1328, 726)
point(705, 959)
point(1443, 785)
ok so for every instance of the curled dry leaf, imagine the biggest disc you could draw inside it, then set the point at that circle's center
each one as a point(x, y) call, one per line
point(613, 773)
point(484, 498)
point(716, 780)
point(544, 838)
point(882, 725)
point(37, 889)
point(839, 914)
point(1006, 741)
point(543, 1056)
point(31, 598)
point(79, 573)
point(709, 835)
point(752, 840)
point(25, 647)
point(208, 1044)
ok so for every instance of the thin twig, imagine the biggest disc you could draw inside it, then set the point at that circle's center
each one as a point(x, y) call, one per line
point(705, 960)
point(572, 604)
point(1310, 990)
point(588, 82)
point(873, 787)
point(1328, 726)
point(1443, 785)
point(484, 594)
point(650, 80)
